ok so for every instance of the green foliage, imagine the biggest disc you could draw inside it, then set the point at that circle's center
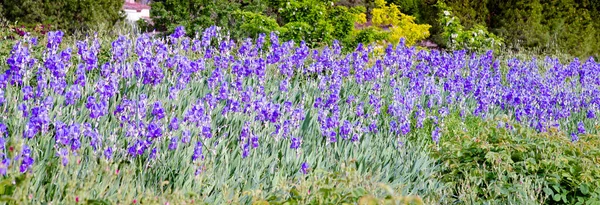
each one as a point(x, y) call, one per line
point(518, 164)
point(194, 15)
point(316, 22)
point(477, 38)
point(323, 32)
point(297, 31)
point(470, 12)
point(68, 15)
point(357, 10)
point(143, 25)
point(570, 26)
point(546, 26)
point(408, 30)
point(316, 34)
point(366, 36)
point(251, 24)
point(342, 21)
point(308, 11)
point(410, 7)
point(340, 187)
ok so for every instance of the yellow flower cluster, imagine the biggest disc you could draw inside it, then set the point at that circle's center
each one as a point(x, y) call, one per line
point(400, 25)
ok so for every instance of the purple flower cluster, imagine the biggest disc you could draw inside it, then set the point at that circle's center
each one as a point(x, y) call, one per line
point(158, 95)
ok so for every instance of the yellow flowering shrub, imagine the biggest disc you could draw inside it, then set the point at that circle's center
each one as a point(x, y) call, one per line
point(360, 18)
point(400, 25)
point(385, 15)
point(408, 30)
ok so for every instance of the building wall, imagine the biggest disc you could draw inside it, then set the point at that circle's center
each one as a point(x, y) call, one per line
point(134, 15)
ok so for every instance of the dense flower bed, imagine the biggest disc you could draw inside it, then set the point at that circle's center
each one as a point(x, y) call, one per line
point(204, 101)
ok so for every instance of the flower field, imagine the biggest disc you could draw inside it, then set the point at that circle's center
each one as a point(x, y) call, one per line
point(208, 120)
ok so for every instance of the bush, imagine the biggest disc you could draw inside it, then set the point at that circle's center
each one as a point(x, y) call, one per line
point(409, 7)
point(309, 11)
point(496, 161)
point(317, 34)
point(470, 12)
point(193, 15)
point(252, 24)
point(67, 15)
point(297, 31)
point(477, 38)
point(400, 25)
point(343, 22)
point(368, 35)
point(567, 26)
point(384, 15)
point(408, 30)
point(316, 23)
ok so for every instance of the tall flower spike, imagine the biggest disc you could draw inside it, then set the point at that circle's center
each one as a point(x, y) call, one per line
point(574, 137)
point(154, 130)
point(174, 124)
point(27, 161)
point(3, 130)
point(158, 111)
point(63, 154)
point(304, 168)
point(581, 128)
point(173, 143)
point(254, 140)
point(435, 135)
point(198, 152)
point(296, 142)
point(108, 153)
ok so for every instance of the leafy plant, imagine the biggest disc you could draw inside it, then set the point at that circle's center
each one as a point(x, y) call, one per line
point(343, 22)
point(342, 187)
point(308, 11)
point(252, 24)
point(476, 39)
point(509, 162)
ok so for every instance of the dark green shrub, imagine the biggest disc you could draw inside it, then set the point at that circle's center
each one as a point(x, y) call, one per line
point(193, 15)
point(569, 26)
point(366, 36)
point(67, 15)
point(470, 12)
point(408, 7)
point(546, 26)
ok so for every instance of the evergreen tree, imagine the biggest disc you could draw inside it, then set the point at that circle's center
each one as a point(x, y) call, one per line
point(69, 15)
